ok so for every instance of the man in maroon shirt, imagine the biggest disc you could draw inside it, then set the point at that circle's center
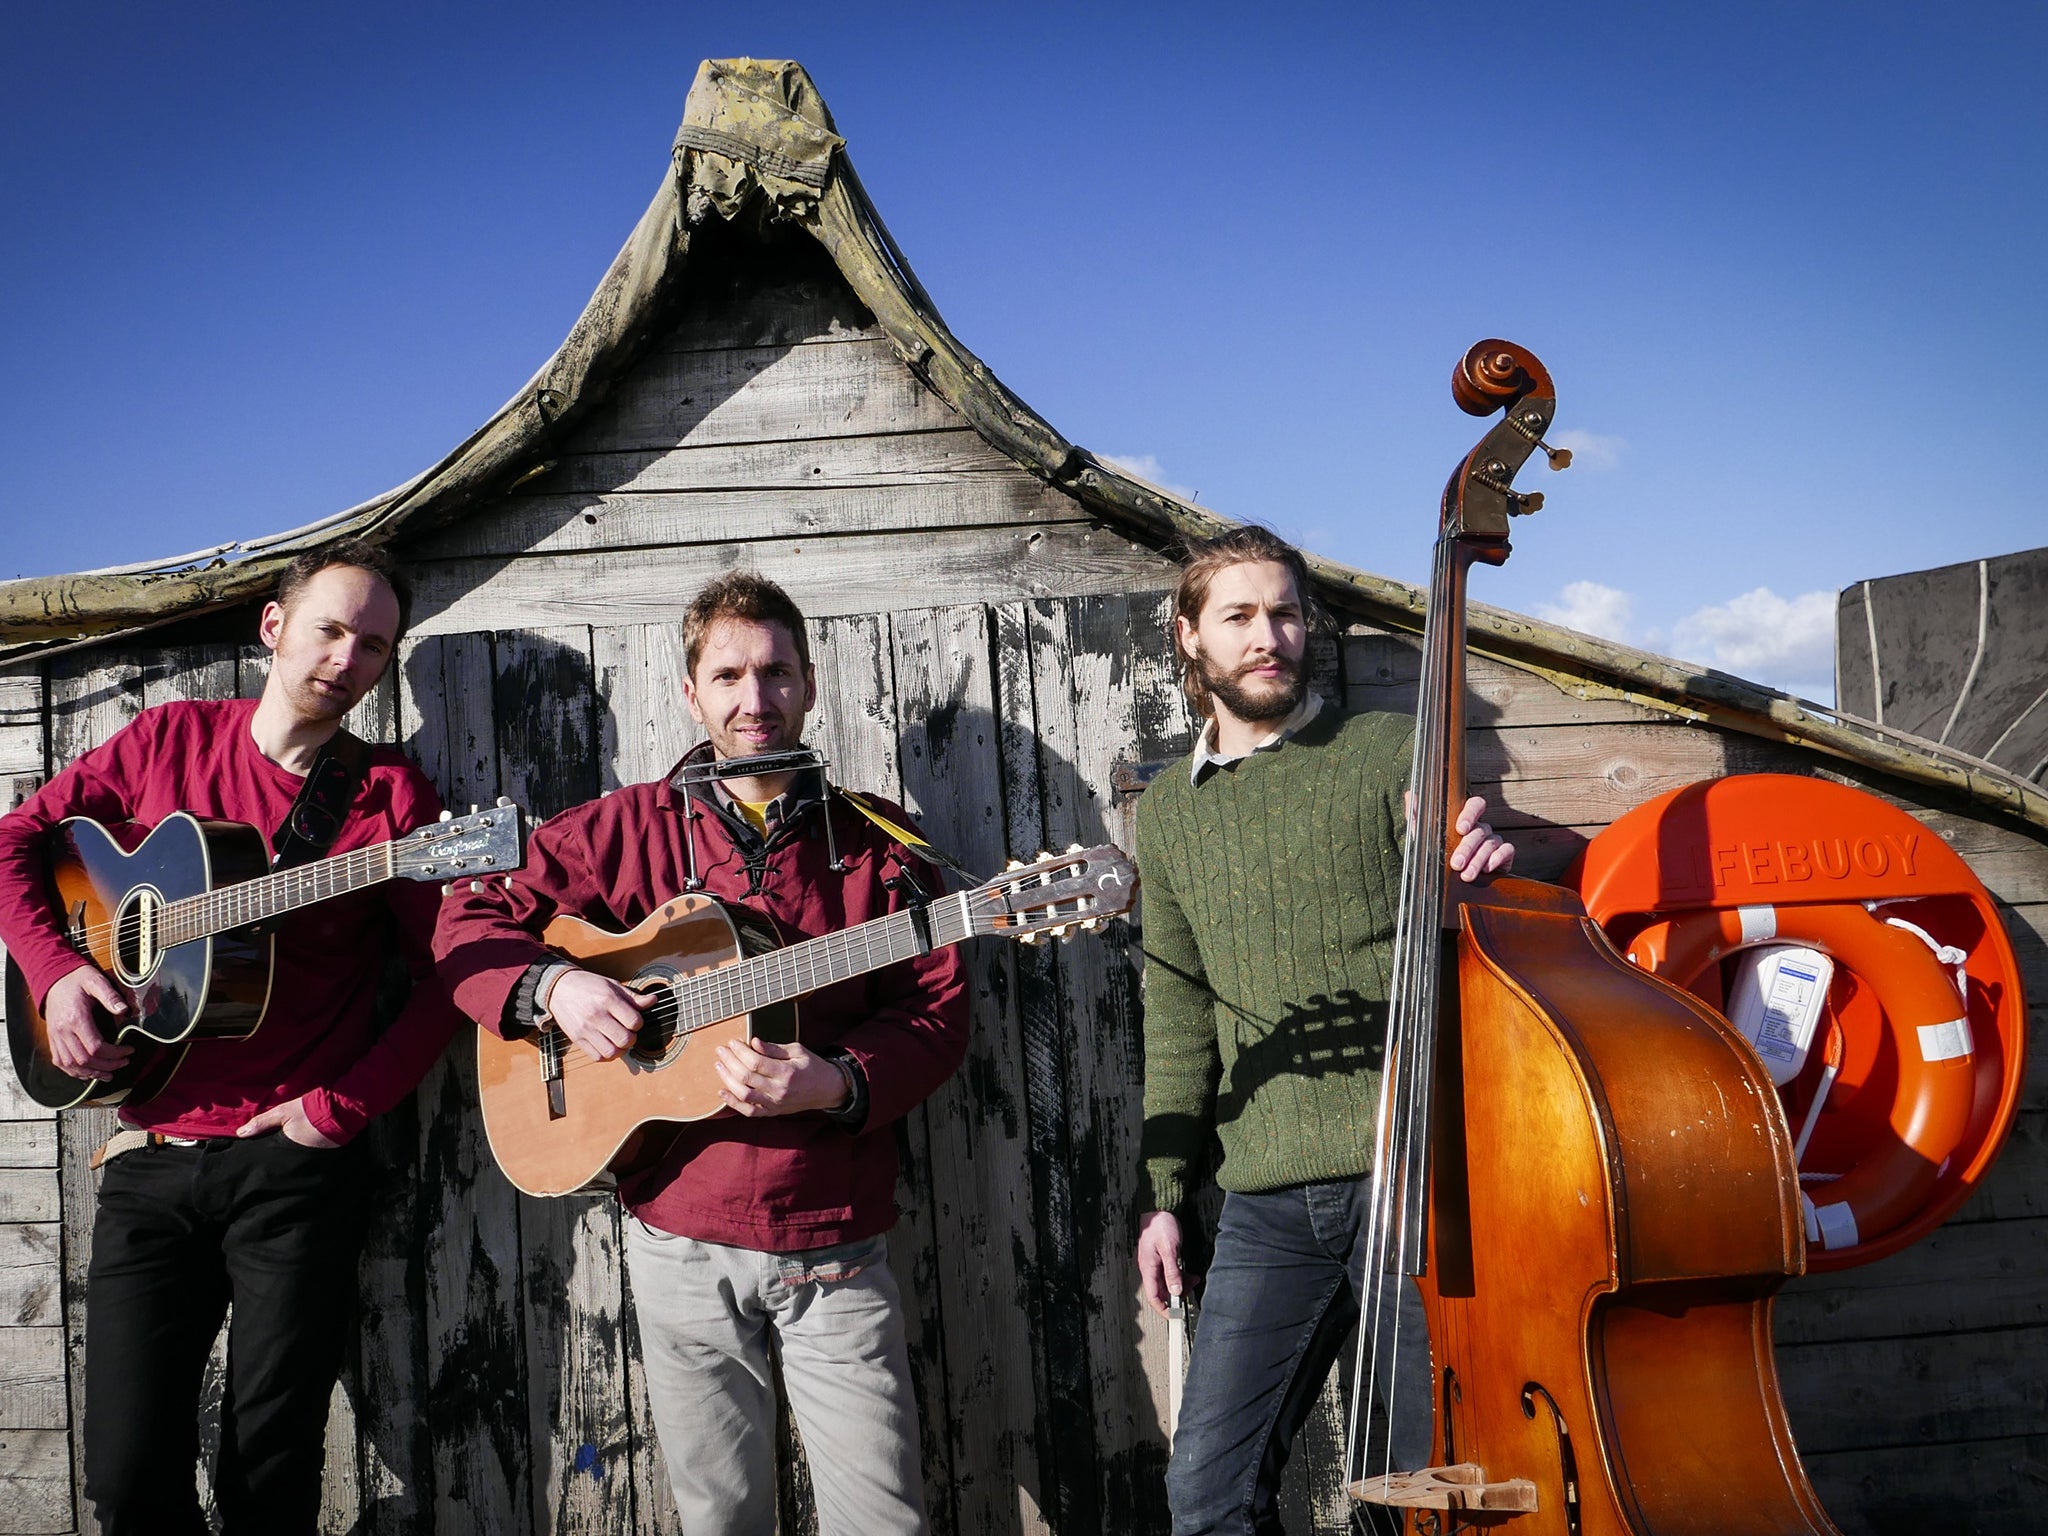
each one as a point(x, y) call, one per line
point(249, 1188)
point(767, 1220)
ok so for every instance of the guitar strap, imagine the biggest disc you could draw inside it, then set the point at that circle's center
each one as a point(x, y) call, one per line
point(314, 821)
point(906, 837)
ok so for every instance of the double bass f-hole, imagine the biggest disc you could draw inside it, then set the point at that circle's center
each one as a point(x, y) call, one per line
point(1567, 1459)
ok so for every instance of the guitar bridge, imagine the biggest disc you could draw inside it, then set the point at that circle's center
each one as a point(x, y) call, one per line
point(551, 1073)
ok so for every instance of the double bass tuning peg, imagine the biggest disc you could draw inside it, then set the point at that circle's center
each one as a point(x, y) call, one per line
point(1530, 424)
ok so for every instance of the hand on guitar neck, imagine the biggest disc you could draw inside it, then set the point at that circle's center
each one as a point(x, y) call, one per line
point(76, 1044)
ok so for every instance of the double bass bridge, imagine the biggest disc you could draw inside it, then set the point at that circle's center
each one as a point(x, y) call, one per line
point(1462, 1487)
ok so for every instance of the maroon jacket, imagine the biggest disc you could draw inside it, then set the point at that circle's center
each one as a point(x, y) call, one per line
point(318, 1038)
point(771, 1184)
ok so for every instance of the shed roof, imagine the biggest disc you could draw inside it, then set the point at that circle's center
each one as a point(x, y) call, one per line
point(757, 129)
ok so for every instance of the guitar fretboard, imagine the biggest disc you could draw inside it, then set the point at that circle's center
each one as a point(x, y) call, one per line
point(256, 901)
point(782, 974)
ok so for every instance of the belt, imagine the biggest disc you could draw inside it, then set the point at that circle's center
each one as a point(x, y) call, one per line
point(123, 1142)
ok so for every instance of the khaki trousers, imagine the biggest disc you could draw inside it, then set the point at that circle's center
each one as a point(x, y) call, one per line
point(707, 1315)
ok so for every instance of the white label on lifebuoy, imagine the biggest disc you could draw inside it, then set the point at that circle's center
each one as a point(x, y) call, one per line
point(1945, 1042)
point(1837, 1225)
point(1758, 923)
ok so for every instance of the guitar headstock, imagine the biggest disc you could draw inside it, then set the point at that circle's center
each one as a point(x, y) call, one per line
point(1056, 894)
point(487, 842)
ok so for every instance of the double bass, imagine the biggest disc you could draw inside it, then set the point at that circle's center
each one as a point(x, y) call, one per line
point(1584, 1170)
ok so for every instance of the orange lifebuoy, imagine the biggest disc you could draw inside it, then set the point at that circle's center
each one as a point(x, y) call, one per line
point(1930, 1040)
point(1921, 1082)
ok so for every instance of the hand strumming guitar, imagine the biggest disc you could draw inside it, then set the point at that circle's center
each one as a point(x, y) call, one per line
point(76, 1044)
point(595, 1012)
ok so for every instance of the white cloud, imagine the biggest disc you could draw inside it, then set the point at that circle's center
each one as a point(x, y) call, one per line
point(1148, 469)
point(1592, 609)
point(1590, 450)
point(1788, 642)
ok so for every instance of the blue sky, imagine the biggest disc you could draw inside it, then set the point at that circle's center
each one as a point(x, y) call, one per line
point(262, 262)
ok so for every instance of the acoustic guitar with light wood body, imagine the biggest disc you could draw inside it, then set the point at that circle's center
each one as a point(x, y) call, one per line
point(558, 1118)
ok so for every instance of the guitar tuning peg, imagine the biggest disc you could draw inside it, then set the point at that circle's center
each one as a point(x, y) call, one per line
point(472, 807)
point(476, 887)
point(1074, 848)
point(447, 815)
point(1030, 936)
point(1090, 924)
point(505, 801)
point(1013, 864)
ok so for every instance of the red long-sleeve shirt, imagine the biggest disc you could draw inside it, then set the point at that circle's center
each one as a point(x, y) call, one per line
point(318, 1038)
point(776, 1183)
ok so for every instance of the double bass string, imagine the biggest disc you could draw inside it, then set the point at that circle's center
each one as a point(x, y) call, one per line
point(1395, 1228)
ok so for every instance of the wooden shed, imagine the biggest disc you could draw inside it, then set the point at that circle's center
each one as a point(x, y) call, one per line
point(760, 380)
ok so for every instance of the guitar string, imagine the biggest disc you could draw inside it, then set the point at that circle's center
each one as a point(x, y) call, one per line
point(251, 901)
point(718, 995)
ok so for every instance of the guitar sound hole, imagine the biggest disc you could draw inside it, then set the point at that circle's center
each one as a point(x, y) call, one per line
point(659, 1041)
point(137, 945)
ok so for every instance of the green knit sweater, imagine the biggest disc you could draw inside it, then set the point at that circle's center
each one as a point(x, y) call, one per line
point(1270, 892)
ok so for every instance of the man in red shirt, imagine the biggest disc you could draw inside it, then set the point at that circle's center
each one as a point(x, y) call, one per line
point(767, 1220)
point(250, 1188)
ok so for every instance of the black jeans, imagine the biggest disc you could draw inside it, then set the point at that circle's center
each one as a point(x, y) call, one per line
point(269, 1226)
point(1283, 1291)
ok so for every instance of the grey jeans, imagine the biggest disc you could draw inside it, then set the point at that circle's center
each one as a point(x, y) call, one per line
point(706, 1314)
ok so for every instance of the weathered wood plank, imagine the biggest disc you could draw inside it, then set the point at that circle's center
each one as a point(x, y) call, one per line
point(745, 312)
point(644, 726)
point(31, 1275)
point(1965, 1277)
point(1382, 671)
point(92, 695)
point(32, 1394)
point(1991, 1487)
point(1097, 660)
point(1069, 1497)
point(30, 1194)
point(388, 1386)
point(570, 1258)
point(21, 723)
point(765, 394)
point(827, 576)
point(35, 1482)
point(1916, 1391)
point(950, 456)
point(375, 717)
point(28, 1144)
point(539, 524)
point(980, 1174)
point(171, 674)
point(476, 1400)
point(856, 725)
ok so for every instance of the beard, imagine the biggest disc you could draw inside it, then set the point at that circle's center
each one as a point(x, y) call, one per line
point(1260, 702)
point(313, 703)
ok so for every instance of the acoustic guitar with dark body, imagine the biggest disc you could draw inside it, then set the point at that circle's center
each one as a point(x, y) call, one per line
point(558, 1118)
point(180, 918)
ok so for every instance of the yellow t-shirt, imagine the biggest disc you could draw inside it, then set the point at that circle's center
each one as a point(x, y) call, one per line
point(755, 812)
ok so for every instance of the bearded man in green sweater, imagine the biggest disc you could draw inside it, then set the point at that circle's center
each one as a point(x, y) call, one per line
point(1271, 860)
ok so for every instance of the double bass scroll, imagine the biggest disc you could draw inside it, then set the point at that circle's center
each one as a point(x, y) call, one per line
point(1583, 1170)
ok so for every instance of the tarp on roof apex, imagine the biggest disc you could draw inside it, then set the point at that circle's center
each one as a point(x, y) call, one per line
point(753, 125)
